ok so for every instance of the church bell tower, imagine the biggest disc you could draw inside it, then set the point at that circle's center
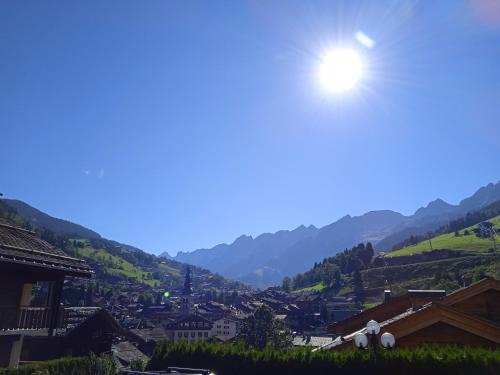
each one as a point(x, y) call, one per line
point(187, 294)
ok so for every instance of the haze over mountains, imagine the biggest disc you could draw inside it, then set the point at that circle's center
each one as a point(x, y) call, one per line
point(266, 259)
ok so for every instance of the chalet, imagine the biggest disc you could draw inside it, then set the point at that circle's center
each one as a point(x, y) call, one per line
point(341, 308)
point(310, 303)
point(93, 330)
point(25, 259)
point(391, 306)
point(470, 316)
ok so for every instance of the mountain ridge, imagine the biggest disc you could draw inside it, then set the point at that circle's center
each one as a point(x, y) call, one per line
point(113, 262)
point(267, 265)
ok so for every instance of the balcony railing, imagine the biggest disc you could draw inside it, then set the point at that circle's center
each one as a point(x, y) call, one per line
point(25, 318)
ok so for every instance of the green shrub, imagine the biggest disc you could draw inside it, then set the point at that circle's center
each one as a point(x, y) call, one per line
point(137, 365)
point(93, 365)
point(231, 359)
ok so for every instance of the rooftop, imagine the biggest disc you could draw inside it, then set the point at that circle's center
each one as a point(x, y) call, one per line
point(24, 247)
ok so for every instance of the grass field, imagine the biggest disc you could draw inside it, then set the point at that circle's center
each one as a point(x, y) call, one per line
point(115, 265)
point(451, 242)
point(313, 288)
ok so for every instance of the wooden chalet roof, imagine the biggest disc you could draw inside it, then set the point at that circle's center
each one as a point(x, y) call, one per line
point(396, 305)
point(472, 290)
point(100, 317)
point(24, 247)
point(411, 321)
point(444, 311)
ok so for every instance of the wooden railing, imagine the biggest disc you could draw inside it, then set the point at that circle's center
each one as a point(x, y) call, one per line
point(24, 318)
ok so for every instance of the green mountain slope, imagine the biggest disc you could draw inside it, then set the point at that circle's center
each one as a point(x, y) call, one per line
point(465, 241)
point(116, 265)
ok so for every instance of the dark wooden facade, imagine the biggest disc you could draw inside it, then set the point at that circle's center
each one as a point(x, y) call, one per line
point(25, 259)
point(94, 335)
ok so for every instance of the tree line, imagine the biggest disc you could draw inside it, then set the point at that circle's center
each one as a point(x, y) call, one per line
point(335, 272)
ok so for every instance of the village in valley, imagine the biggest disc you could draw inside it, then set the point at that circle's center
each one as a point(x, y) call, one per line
point(119, 323)
point(129, 326)
point(249, 187)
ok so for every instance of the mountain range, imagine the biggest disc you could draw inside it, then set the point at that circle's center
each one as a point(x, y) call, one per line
point(264, 260)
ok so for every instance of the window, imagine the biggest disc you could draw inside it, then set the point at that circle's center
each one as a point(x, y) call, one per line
point(179, 334)
point(193, 334)
point(200, 334)
point(205, 334)
point(186, 334)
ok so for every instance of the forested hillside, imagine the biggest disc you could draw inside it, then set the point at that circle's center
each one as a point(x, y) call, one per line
point(462, 251)
point(336, 274)
point(115, 264)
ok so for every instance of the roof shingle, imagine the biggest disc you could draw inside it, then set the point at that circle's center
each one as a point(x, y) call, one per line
point(21, 246)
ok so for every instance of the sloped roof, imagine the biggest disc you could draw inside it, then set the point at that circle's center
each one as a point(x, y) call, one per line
point(413, 320)
point(24, 247)
point(126, 352)
point(386, 310)
point(100, 313)
point(313, 341)
point(472, 290)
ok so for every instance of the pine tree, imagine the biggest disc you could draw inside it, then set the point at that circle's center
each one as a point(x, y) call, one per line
point(358, 286)
point(287, 284)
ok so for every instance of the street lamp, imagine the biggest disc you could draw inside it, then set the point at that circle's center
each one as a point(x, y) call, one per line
point(387, 340)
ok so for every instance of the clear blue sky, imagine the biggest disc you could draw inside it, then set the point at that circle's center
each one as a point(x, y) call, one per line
point(173, 125)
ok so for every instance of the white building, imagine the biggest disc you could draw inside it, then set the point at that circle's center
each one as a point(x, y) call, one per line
point(224, 329)
point(190, 328)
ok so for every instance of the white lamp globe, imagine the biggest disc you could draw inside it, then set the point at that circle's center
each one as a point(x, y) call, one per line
point(387, 340)
point(360, 340)
point(372, 327)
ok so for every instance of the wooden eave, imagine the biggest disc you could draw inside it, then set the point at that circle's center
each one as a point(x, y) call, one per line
point(471, 291)
point(438, 312)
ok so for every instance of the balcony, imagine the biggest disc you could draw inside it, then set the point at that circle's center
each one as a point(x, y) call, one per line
point(25, 319)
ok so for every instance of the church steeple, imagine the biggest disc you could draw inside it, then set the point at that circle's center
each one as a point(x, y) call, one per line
point(187, 294)
point(188, 287)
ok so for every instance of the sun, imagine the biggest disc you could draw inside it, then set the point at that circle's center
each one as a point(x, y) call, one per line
point(341, 70)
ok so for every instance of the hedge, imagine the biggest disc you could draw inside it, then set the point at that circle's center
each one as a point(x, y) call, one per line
point(93, 365)
point(232, 359)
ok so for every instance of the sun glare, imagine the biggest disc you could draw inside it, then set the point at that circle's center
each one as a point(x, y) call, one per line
point(340, 70)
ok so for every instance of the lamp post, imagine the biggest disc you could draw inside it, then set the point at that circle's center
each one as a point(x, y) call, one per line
point(387, 340)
